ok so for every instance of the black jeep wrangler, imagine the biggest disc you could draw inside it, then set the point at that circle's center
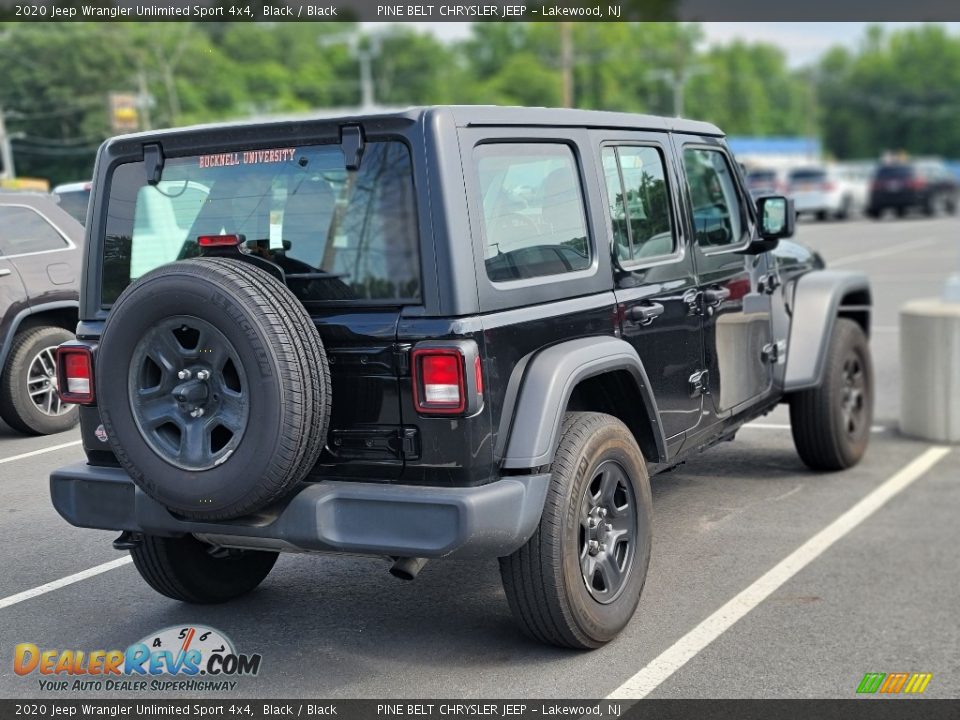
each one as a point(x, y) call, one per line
point(442, 330)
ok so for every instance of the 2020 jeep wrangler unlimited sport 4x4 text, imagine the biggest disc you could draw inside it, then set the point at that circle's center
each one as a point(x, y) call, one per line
point(442, 330)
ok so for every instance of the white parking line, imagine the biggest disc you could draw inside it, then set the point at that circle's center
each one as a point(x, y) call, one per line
point(63, 582)
point(14, 458)
point(884, 252)
point(682, 651)
point(786, 426)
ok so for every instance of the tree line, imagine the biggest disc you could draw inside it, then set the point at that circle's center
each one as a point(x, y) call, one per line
point(896, 90)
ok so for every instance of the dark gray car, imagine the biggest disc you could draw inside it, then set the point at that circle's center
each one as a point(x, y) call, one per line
point(39, 282)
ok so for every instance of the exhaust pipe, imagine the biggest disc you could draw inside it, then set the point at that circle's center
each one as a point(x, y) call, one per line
point(407, 568)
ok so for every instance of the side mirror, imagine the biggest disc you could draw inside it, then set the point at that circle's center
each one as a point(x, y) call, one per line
point(777, 217)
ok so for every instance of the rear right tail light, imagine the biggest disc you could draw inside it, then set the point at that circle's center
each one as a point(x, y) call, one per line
point(438, 382)
point(447, 377)
point(75, 374)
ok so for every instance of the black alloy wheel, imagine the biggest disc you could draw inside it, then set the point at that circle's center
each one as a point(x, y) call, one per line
point(189, 393)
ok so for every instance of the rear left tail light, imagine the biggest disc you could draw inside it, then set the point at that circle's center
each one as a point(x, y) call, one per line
point(828, 187)
point(75, 374)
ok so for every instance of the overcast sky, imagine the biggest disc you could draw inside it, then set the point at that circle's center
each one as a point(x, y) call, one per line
point(803, 42)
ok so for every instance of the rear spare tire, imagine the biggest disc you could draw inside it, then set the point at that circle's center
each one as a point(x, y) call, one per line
point(213, 387)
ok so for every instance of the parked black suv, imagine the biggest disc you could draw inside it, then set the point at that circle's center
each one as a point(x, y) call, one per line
point(39, 282)
point(451, 329)
point(926, 185)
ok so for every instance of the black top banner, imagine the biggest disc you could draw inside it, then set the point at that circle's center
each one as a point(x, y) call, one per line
point(482, 11)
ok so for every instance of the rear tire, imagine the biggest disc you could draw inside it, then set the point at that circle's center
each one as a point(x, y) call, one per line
point(831, 423)
point(27, 370)
point(598, 476)
point(184, 569)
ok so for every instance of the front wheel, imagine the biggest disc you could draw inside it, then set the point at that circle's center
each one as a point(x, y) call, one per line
point(831, 422)
point(577, 581)
point(185, 569)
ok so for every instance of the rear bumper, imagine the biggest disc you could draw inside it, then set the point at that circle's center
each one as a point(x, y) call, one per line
point(329, 516)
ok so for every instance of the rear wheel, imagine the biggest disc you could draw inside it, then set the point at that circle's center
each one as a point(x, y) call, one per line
point(186, 569)
point(577, 581)
point(831, 422)
point(28, 388)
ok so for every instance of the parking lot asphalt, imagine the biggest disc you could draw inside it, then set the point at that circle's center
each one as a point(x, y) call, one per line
point(880, 598)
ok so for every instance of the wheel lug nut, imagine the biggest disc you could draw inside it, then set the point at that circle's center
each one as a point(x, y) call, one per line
point(607, 527)
point(184, 374)
point(593, 547)
point(197, 412)
point(203, 374)
point(592, 523)
point(602, 512)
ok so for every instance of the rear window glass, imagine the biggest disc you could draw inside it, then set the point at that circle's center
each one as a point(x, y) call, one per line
point(533, 214)
point(891, 172)
point(337, 234)
point(807, 175)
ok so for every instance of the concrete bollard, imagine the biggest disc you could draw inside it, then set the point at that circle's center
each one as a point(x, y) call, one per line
point(930, 370)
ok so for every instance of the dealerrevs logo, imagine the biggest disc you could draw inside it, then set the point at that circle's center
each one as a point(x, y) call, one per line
point(176, 658)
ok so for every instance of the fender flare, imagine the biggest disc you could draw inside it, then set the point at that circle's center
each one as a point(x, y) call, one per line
point(817, 302)
point(25, 313)
point(547, 385)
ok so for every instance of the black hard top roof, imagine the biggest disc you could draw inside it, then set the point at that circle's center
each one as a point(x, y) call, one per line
point(469, 115)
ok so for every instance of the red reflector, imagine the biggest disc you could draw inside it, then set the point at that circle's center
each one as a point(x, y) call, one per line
point(438, 383)
point(75, 374)
point(478, 374)
point(218, 240)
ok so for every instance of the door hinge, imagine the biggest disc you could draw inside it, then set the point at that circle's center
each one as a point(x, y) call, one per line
point(401, 355)
point(700, 383)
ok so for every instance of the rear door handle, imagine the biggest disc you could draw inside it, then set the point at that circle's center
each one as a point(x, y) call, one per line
point(4, 272)
point(715, 295)
point(646, 313)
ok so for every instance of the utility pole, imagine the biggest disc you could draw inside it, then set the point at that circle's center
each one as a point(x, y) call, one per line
point(143, 99)
point(677, 79)
point(365, 58)
point(566, 62)
point(6, 151)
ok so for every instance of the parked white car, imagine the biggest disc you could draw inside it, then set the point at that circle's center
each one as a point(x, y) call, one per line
point(829, 191)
